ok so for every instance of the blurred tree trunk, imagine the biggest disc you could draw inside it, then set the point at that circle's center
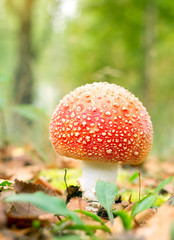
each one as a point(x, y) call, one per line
point(149, 37)
point(23, 78)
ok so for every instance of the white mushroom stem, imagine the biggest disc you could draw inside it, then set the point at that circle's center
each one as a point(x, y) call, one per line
point(94, 171)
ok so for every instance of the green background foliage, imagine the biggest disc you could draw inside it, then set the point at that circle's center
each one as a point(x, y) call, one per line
point(67, 43)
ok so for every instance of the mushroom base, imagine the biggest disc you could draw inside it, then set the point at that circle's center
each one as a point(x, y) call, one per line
point(94, 171)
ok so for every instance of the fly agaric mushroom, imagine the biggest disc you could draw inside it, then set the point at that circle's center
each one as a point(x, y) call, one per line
point(102, 124)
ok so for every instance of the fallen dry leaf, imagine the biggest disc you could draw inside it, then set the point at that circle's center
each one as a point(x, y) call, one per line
point(142, 217)
point(158, 227)
point(168, 168)
point(3, 217)
point(129, 207)
point(28, 187)
point(116, 228)
point(125, 204)
point(25, 234)
point(117, 206)
point(47, 185)
point(158, 169)
point(149, 182)
point(19, 165)
point(125, 236)
point(77, 203)
point(22, 214)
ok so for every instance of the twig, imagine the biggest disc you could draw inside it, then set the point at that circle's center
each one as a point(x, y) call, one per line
point(67, 189)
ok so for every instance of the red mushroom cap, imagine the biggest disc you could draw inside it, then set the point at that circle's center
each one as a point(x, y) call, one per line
point(102, 122)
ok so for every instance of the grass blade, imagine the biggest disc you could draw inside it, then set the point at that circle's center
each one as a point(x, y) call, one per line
point(143, 204)
point(163, 184)
point(125, 218)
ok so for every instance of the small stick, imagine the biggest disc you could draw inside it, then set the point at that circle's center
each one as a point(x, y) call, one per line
point(58, 217)
point(67, 189)
point(130, 199)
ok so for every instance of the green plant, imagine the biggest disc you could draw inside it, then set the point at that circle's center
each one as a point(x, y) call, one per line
point(4, 184)
point(106, 192)
point(133, 177)
point(57, 206)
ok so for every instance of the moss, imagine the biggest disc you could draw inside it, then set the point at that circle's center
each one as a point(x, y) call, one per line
point(56, 177)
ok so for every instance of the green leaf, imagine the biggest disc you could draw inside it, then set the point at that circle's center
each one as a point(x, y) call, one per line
point(66, 224)
point(163, 184)
point(149, 200)
point(88, 228)
point(133, 177)
point(95, 218)
point(172, 231)
point(126, 219)
point(106, 192)
point(91, 215)
point(36, 224)
point(68, 237)
point(143, 204)
point(47, 203)
point(5, 183)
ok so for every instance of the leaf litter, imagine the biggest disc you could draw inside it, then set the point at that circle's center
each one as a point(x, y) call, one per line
point(21, 220)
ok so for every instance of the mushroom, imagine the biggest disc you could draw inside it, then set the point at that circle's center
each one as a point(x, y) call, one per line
point(101, 124)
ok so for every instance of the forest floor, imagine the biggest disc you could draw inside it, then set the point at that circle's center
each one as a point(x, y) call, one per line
point(23, 173)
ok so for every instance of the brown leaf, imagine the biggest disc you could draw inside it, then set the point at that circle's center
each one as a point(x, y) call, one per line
point(19, 165)
point(125, 236)
point(158, 227)
point(116, 228)
point(150, 182)
point(168, 168)
point(125, 204)
point(48, 186)
point(157, 168)
point(25, 173)
point(24, 187)
point(142, 217)
point(23, 214)
point(21, 209)
point(117, 206)
point(129, 207)
point(77, 203)
point(3, 217)
point(11, 170)
point(25, 234)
